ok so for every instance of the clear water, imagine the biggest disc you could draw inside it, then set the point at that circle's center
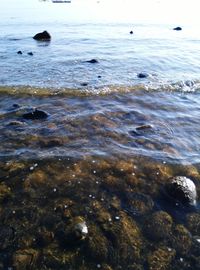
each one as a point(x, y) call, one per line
point(111, 140)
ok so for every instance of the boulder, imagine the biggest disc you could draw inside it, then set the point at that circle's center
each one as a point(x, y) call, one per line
point(182, 190)
point(43, 36)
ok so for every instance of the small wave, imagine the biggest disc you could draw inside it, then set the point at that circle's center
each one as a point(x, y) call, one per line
point(186, 86)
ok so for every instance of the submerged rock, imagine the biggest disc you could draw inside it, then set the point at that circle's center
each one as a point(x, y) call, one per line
point(181, 240)
point(161, 258)
point(182, 189)
point(158, 226)
point(25, 259)
point(43, 36)
point(35, 115)
point(178, 28)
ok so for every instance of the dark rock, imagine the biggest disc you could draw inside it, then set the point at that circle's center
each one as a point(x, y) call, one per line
point(25, 259)
point(142, 75)
point(181, 240)
point(182, 190)
point(16, 106)
point(131, 32)
point(7, 236)
point(160, 220)
point(30, 53)
point(35, 115)
point(19, 52)
point(99, 76)
point(43, 36)
point(177, 28)
point(84, 84)
point(143, 127)
point(51, 142)
point(92, 61)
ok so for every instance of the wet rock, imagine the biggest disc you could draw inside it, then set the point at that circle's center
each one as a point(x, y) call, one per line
point(131, 32)
point(72, 234)
point(93, 61)
point(19, 52)
point(161, 258)
point(97, 245)
point(99, 76)
point(193, 223)
point(144, 127)
point(5, 192)
point(51, 142)
point(25, 259)
point(43, 36)
point(35, 115)
point(182, 190)
point(142, 75)
point(178, 28)
point(84, 84)
point(138, 204)
point(158, 226)
point(44, 237)
point(181, 240)
point(30, 53)
point(16, 123)
point(7, 237)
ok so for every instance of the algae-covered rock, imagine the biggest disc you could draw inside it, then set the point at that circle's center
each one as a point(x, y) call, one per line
point(181, 240)
point(158, 226)
point(182, 189)
point(138, 203)
point(5, 192)
point(7, 237)
point(125, 236)
point(97, 245)
point(193, 223)
point(25, 259)
point(161, 258)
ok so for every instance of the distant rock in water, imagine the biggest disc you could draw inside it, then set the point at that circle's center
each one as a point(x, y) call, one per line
point(177, 28)
point(142, 75)
point(30, 53)
point(182, 189)
point(19, 52)
point(92, 61)
point(131, 32)
point(35, 115)
point(43, 36)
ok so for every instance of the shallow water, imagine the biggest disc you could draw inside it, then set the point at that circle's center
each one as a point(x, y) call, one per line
point(106, 149)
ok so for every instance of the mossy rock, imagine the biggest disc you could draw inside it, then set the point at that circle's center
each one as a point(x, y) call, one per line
point(25, 259)
point(181, 240)
point(158, 226)
point(160, 259)
point(193, 223)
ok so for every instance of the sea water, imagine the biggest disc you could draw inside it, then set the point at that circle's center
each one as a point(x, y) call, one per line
point(109, 144)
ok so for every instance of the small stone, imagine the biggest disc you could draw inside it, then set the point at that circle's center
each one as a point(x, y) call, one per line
point(142, 75)
point(92, 61)
point(131, 32)
point(19, 52)
point(177, 28)
point(30, 53)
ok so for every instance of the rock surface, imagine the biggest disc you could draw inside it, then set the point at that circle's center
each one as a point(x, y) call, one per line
point(178, 28)
point(43, 36)
point(182, 189)
point(35, 115)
